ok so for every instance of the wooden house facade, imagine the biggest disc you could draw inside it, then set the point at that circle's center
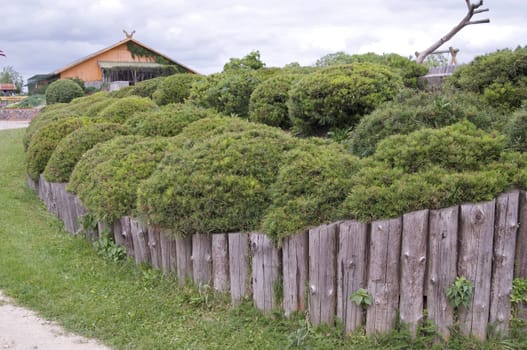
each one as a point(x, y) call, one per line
point(126, 61)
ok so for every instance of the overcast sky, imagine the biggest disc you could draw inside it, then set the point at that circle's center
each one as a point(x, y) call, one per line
point(40, 36)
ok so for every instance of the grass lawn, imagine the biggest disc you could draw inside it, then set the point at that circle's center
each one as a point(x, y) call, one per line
point(127, 307)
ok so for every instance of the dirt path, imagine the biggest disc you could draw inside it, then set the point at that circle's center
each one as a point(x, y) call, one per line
point(22, 329)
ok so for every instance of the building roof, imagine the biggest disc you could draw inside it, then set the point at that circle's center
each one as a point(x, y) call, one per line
point(7, 86)
point(95, 54)
point(112, 64)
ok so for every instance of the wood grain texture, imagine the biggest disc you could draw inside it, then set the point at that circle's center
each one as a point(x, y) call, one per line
point(383, 275)
point(184, 259)
point(202, 259)
point(295, 255)
point(351, 272)
point(442, 266)
point(220, 262)
point(154, 246)
point(521, 244)
point(265, 271)
point(139, 233)
point(239, 266)
point(506, 227)
point(475, 264)
point(168, 253)
point(413, 268)
point(323, 274)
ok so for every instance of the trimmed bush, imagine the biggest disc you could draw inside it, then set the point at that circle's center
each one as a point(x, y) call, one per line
point(146, 88)
point(81, 105)
point(311, 185)
point(46, 139)
point(227, 92)
point(216, 184)
point(73, 146)
point(46, 116)
point(107, 176)
point(338, 96)
point(63, 91)
point(413, 111)
point(168, 121)
point(433, 168)
point(175, 88)
point(516, 130)
point(268, 102)
point(124, 108)
point(500, 76)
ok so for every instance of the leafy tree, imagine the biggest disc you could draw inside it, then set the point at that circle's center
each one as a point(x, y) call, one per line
point(10, 75)
point(251, 61)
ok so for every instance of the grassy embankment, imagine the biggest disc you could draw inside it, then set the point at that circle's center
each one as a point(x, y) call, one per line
point(63, 278)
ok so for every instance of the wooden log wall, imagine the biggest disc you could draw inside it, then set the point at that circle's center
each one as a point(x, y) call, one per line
point(405, 263)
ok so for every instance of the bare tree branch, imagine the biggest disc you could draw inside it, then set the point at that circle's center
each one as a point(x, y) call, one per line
point(472, 9)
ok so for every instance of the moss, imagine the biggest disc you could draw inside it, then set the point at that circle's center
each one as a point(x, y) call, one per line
point(126, 107)
point(107, 176)
point(46, 139)
point(71, 148)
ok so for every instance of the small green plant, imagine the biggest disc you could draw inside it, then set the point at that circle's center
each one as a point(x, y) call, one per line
point(460, 292)
point(106, 247)
point(361, 297)
point(519, 291)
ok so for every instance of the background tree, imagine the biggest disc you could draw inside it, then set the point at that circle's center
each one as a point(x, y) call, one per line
point(251, 61)
point(472, 9)
point(10, 75)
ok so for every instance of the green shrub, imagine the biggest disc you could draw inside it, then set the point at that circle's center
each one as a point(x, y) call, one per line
point(122, 92)
point(168, 121)
point(413, 111)
point(516, 130)
point(337, 97)
point(80, 105)
point(63, 91)
point(433, 168)
point(107, 176)
point(409, 70)
point(73, 146)
point(312, 183)
point(46, 116)
point(175, 88)
point(215, 184)
point(227, 92)
point(96, 107)
point(268, 102)
point(45, 140)
point(124, 108)
point(146, 88)
point(500, 76)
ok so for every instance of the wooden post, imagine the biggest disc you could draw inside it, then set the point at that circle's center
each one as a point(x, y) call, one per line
point(413, 268)
point(32, 184)
point(184, 259)
point(383, 275)
point(239, 266)
point(351, 271)
point(154, 245)
point(72, 224)
point(442, 266)
point(323, 274)
point(202, 259)
point(521, 246)
point(507, 206)
point(266, 271)
point(475, 264)
point(168, 253)
point(220, 262)
point(295, 253)
point(140, 241)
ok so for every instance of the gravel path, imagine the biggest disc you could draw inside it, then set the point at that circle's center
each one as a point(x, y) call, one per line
point(22, 329)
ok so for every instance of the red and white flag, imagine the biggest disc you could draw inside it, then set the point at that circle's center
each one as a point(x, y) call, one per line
point(2, 53)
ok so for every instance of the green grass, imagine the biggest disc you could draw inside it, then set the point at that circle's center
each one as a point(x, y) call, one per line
point(127, 307)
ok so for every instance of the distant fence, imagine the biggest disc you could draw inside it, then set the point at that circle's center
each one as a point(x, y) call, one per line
point(405, 263)
point(18, 113)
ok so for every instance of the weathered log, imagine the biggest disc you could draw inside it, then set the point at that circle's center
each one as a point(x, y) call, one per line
point(140, 241)
point(168, 253)
point(220, 262)
point(239, 266)
point(184, 259)
point(266, 271)
point(295, 254)
point(202, 259)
